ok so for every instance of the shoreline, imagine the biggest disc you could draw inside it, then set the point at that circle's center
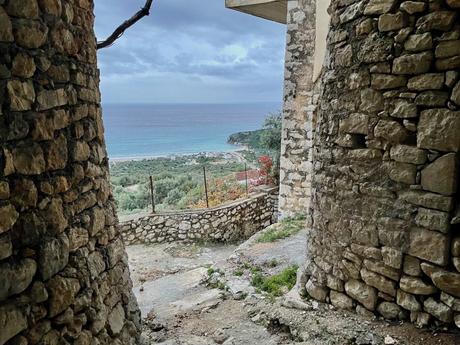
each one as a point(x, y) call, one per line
point(237, 153)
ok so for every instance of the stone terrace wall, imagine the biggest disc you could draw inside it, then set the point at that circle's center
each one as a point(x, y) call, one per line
point(64, 277)
point(385, 234)
point(231, 222)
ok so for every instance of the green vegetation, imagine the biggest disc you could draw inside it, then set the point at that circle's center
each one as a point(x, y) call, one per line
point(285, 228)
point(238, 273)
point(265, 141)
point(275, 285)
point(178, 182)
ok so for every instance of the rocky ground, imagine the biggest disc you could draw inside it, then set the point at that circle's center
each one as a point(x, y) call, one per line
point(202, 294)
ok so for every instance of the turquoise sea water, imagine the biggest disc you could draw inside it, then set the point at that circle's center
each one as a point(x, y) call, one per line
point(146, 130)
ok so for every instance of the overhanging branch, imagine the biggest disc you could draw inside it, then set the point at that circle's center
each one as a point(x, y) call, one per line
point(144, 11)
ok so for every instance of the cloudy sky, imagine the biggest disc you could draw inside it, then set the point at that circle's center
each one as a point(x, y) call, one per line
point(189, 51)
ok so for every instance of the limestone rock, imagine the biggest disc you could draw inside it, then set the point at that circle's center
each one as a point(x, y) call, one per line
point(408, 301)
point(389, 310)
point(392, 257)
point(6, 246)
point(8, 217)
point(23, 8)
point(53, 7)
point(403, 172)
point(404, 110)
point(416, 286)
point(408, 154)
point(375, 48)
point(387, 81)
point(48, 99)
point(429, 245)
point(12, 321)
point(428, 200)
point(371, 101)
point(428, 81)
point(438, 20)
point(115, 252)
point(392, 21)
point(116, 319)
point(22, 95)
point(418, 43)
point(413, 63)
point(364, 294)
point(439, 310)
point(54, 216)
point(62, 294)
point(317, 292)
point(54, 256)
point(447, 49)
point(16, 277)
point(6, 29)
point(97, 220)
point(432, 99)
point(355, 124)
point(411, 266)
point(29, 159)
point(456, 246)
point(30, 33)
point(24, 193)
point(433, 220)
point(379, 7)
point(413, 7)
point(57, 153)
point(441, 175)
point(81, 151)
point(446, 281)
point(77, 238)
point(340, 300)
point(23, 66)
point(379, 282)
point(391, 131)
point(456, 94)
point(96, 264)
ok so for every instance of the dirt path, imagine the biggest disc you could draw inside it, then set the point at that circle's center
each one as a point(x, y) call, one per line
point(178, 308)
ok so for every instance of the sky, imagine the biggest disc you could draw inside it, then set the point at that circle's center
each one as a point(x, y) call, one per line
point(189, 51)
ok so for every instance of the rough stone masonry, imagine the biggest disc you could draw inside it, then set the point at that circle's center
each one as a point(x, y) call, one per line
point(63, 269)
point(385, 234)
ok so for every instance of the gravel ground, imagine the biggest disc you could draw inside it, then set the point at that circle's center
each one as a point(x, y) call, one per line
point(179, 309)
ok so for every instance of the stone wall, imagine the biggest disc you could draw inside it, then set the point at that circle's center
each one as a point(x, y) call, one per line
point(385, 234)
point(299, 107)
point(231, 222)
point(63, 268)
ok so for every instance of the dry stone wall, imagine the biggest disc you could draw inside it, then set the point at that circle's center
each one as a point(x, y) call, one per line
point(385, 214)
point(300, 100)
point(64, 277)
point(228, 223)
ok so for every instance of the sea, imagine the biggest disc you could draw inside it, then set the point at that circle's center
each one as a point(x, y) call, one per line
point(135, 131)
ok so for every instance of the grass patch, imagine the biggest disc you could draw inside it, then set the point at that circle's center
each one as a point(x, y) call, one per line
point(238, 273)
point(275, 285)
point(285, 228)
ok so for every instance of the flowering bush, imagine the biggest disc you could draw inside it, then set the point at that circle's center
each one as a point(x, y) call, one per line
point(265, 172)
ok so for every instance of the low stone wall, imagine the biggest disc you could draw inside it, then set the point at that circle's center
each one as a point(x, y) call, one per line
point(231, 222)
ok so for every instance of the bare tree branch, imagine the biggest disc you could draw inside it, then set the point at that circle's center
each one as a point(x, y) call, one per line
point(144, 11)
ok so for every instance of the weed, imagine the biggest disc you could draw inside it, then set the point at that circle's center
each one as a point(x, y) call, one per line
point(238, 273)
point(273, 263)
point(285, 228)
point(275, 284)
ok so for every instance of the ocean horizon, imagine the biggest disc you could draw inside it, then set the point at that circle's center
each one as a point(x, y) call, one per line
point(137, 131)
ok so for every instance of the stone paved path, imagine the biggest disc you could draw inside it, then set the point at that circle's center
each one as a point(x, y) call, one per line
point(179, 310)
